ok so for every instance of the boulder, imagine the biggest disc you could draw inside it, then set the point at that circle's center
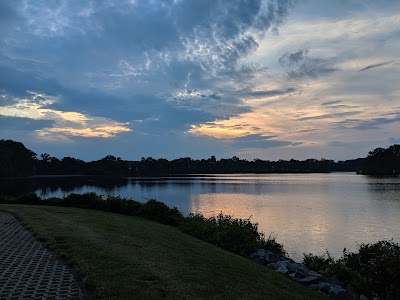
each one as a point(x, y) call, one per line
point(334, 290)
point(270, 257)
point(309, 280)
point(273, 266)
point(344, 295)
point(282, 269)
point(279, 266)
point(259, 260)
point(263, 257)
point(300, 269)
point(320, 286)
point(313, 273)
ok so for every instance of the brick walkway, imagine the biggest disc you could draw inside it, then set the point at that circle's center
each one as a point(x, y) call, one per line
point(28, 270)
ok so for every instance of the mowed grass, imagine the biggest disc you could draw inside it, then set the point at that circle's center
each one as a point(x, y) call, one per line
point(124, 257)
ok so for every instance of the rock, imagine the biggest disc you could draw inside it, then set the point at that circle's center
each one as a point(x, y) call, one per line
point(309, 280)
point(300, 269)
point(320, 286)
point(282, 269)
point(313, 273)
point(272, 266)
point(363, 297)
point(270, 257)
point(259, 260)
point(279, 266)
point(266, 255)
point(334, 281)
point(292, 275)
point(344, 295)
point(334, 290)
point(284, 258)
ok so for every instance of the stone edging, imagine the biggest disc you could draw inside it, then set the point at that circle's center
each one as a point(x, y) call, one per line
point(301, 274)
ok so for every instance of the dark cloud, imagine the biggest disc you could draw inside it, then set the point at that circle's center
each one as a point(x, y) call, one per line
point(8, 15)
point(329, 116)
point(259, 141)
point(312, 68)
point(291, 59)
point(372, 124)
point(299, 65)
point(23, 124)
point(118, 60)
point(331, 102)
point(16, 82)
point(145, 32)
point(376, 65)
point(267, 93)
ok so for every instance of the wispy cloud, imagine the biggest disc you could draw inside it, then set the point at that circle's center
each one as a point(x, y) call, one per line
point(376, 65)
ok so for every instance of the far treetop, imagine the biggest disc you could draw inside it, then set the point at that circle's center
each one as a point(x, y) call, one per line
point(18, 161)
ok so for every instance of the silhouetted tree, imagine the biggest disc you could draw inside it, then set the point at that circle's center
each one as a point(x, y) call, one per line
point(16, 160)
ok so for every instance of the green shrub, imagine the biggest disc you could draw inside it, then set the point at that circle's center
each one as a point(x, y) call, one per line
point(321, 263)
point(272, 245)
point(29, 198)
point(53, 201)
point(239, 236)
point(373, 271)
point(123, 206)
point(379, 265)
point(87, 200)
point(158, 211)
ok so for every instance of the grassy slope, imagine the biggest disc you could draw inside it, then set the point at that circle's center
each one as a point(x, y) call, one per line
point(129, 257)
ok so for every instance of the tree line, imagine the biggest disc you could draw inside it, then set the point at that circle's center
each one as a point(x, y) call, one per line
point(18, 161)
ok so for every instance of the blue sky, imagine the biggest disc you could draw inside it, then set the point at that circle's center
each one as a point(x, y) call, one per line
point(256, 79)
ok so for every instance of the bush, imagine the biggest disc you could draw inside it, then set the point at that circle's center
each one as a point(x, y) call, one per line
point(373, 271)
point(239, 236)
point(123, 206)
point(379, 265)
point(158, 211)
point(29, 198)
point(321, 263)
point(87, 200)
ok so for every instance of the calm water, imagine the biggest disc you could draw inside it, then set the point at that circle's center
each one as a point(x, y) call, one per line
point(307, 212)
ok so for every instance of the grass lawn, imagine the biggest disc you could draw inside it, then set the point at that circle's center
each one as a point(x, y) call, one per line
point(126, 257)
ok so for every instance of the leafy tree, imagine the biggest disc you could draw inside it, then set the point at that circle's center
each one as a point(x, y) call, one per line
point(16, 160)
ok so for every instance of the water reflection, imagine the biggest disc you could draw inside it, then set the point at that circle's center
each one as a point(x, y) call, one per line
point(308, 212)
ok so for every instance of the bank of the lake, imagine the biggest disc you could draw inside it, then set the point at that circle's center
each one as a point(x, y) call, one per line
point(124, 257)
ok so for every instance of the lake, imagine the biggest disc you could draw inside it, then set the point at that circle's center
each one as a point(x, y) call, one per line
point(307, 212)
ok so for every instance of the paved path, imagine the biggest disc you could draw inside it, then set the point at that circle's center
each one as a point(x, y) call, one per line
point(28, 270)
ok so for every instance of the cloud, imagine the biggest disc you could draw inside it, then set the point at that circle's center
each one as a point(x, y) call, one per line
point(8, 123)
point(292, 59)
point(34, 109)
point(366, 124)
point(265, 93)
point(376, 65)
point(330, 116)
point(331, 102)
point(258, 141)
point(299, 65)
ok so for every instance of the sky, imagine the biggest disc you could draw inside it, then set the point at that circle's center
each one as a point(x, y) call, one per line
point(267, 79)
